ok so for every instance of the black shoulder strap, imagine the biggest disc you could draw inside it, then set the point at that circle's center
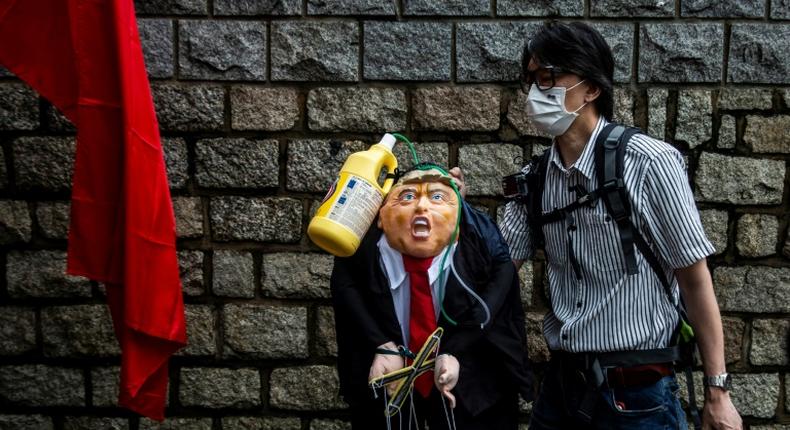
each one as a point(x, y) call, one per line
point(536, 183)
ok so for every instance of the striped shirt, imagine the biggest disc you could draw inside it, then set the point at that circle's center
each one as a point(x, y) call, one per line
point(607, 310)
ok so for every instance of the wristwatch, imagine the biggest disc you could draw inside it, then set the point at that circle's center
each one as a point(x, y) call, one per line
point(722, 381)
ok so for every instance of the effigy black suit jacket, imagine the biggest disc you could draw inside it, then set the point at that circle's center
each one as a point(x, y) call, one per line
point(493, 360)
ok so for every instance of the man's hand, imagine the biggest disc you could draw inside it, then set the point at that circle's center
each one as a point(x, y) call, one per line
point(458, 177)
point(386, 363)
point(445, 375)
point(719, 412)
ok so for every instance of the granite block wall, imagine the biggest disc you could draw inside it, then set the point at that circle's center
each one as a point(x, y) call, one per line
point(261, 101)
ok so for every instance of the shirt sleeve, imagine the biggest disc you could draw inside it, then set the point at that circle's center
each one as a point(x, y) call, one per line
point(515, 229)
point(671, 214)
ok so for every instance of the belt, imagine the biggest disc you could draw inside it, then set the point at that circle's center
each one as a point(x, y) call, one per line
point(647, 374)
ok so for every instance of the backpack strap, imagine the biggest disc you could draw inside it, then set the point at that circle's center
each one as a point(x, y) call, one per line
point(536, 183)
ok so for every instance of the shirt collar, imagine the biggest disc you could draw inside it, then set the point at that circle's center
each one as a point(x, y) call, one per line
point(586, 162)
point(393, 263)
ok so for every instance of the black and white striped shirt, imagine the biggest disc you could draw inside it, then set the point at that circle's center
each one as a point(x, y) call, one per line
point(608, 310)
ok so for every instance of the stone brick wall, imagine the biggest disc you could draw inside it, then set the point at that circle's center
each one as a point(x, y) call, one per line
point(260, 102)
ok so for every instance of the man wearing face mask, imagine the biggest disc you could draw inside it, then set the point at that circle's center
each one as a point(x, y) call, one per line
point(602, 309)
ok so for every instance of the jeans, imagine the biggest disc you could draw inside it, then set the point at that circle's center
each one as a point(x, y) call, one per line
point(646, 407)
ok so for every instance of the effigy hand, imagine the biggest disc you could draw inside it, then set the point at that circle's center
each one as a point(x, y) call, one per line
point(386, 363)
point(446, 375)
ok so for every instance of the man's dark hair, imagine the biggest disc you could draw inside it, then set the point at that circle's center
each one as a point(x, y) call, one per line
point(577, 48)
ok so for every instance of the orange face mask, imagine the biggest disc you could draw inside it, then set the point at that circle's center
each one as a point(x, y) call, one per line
point(419, 215)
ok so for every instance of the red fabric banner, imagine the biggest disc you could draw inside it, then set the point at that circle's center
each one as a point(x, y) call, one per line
point(85, 57)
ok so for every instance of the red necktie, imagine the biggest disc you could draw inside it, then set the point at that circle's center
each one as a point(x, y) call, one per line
point(422, 318)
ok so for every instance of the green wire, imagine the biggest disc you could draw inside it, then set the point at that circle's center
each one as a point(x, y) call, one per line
point(443, 275)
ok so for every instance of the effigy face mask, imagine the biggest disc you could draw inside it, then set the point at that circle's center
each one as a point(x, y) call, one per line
point(420, 213)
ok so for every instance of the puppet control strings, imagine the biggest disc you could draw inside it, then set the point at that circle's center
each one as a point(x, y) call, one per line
point(453, 237)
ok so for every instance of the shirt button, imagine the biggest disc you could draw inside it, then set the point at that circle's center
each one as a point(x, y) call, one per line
point(607, 218)
point(579, 304)
point(565, 337)
point(571, 228)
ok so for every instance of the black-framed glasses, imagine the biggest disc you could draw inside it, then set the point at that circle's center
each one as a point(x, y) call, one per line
point(545, 77)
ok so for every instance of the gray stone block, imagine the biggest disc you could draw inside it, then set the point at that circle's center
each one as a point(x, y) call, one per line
point(434, 152)
point(170, 7)
point(723, 9)
point(759, 53)
point(483, 165)
point(234, 274)
point(351, 7)
point(325, 334)
point(265, 332)
point(18, 107)
point(156, 36)
point(769, 342)
point(757, 235)
point(632, 8)
point(780, 9)
point(95, 423)
point(491, 51)
point(447, 7)
point(324, 424)
point(456, 108)
point(714, 222)
point(407, 51)
point(26, 422)
point(56, 121)
point(657, 112)
point(270, 109)
point(190, 267)
point(620, 37)
point(201, 330)
point(236, 163)
point(356, 109)
point(78, 331)
point(173, 423)
point(106, 382)
point(739, 180)
point(733, 338)
point(40, 385)
point(526, 275)
point(540, 8)
point(189, 108)
point(287, 389)
point(189, 216)
point(313, 165)
point(537, 348)
point(220, 388)
point(53, 219)
point(257, 7)
point(315, 51)
point(17, 331)
point(694, 119)
point(757, 394)
point(752, 289)
point(745, 98)
point(767, 134)
point(43, 163)
point(261, 423)
point(517, 116)
point(261, 219)
point(728, 132)
point(624, 104)
point(176, 162)
point(42, 274)
point(681, 52)
point(15, 223)
point(296, 275)
point(222, 50)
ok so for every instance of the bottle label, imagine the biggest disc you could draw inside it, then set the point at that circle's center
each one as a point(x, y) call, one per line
point(356, 206)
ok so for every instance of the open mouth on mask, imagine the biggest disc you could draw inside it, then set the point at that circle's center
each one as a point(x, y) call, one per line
point(420, 227)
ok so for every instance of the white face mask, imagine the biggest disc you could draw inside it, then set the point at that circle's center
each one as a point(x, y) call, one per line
point(547, 111)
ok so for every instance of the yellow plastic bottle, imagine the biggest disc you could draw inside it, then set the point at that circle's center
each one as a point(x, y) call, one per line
point(353, 201)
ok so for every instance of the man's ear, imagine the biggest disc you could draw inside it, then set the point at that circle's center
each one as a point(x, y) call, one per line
point(592, 93)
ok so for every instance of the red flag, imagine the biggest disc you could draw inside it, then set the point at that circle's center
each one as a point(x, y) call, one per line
point(85, 57)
